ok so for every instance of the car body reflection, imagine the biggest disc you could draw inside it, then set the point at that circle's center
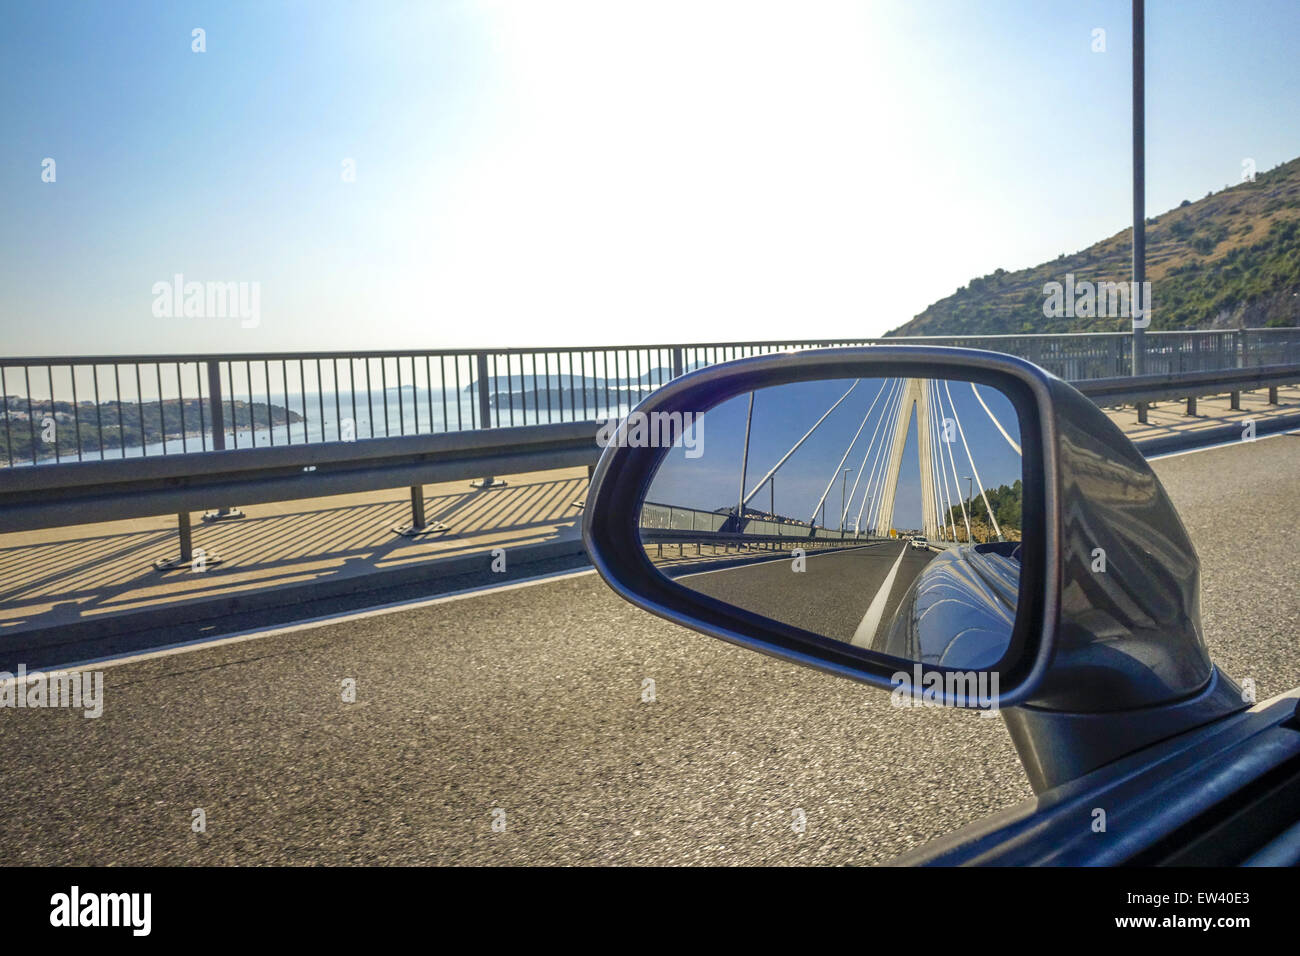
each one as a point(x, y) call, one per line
point(960, 609)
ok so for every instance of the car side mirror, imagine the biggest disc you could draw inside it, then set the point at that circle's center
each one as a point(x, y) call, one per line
point(1003, 545)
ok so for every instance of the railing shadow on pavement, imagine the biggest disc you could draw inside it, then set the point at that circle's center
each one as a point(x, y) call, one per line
point(59, 582)
point(1169, 418)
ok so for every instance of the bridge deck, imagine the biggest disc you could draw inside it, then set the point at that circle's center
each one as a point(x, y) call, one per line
point(55, 578)
point(531, 701)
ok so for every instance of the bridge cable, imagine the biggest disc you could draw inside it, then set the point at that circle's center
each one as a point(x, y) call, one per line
point(930, 522)
point(975, 471)
point(862, 469)
point(883, 519)
point(878, 476)
point(744, 467)
point(941, 475)
point(795, 448)
point(845, 458)
point(995, 420)
point(947, 493)
point(887, 415)
point(941, 517)
point(970, 538)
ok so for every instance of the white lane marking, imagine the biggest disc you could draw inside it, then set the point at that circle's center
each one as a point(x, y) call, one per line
point(306, 624)
point(871, 620)
point(1226, 444)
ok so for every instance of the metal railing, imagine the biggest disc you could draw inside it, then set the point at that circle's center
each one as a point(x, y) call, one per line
point(59, 408)
point(666, 522)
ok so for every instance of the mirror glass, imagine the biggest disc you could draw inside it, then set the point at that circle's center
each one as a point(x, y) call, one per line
point(883, 513)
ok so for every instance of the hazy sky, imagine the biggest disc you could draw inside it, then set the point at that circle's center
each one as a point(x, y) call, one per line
point(548, 172)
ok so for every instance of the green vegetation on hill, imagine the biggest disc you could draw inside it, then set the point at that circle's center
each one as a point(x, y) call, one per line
point(1007, 502)
point(138, 424)
point(1230, 260)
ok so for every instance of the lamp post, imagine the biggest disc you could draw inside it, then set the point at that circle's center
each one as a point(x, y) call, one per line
point(1139, 197)
point(970, 497)
point(843, 504)
point(744, 466)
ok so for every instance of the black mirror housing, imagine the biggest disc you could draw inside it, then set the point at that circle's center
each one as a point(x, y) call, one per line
point(1091, 641)
point(623, 475)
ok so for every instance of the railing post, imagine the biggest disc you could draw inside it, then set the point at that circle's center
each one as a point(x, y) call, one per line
point(484, 417)
point(1238, 354)
point(484, 398)
point(217, 414)
point(418, 525)
point(677, 363)
point(186, 536)
point(186, 557)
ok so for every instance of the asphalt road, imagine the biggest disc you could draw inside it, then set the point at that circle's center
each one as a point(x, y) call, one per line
point(531, 701)
point(831, 596)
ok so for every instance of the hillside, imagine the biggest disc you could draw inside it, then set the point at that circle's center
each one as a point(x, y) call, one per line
point(1230, 260)
point(57, 429)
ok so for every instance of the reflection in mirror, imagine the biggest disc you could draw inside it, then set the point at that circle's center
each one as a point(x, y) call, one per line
point(883, 513)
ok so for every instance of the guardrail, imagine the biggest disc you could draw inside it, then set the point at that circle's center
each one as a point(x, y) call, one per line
point(32, 498)
point(822, 538)
point(143, 406)
point(112, 490)
point(753, 544)
point(662, 522)
point(61, 492)
point(1189, 386)
point(58, 409)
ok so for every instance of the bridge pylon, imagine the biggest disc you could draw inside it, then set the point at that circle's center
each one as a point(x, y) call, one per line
point(915, 399)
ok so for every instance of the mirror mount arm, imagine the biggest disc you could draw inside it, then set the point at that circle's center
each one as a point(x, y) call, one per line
point(1130, 665)
point(1058, 746)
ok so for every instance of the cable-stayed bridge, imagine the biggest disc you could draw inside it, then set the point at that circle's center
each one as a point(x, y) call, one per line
point(522, 693)
point(901, 412)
